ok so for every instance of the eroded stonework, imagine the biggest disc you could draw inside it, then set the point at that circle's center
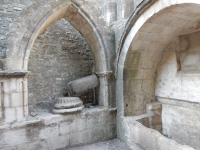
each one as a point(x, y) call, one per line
point(145, 54)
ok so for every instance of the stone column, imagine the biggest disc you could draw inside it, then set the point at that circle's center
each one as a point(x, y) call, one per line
point(103, 97)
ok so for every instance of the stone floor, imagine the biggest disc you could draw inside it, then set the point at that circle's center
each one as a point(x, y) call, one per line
point(114, 144)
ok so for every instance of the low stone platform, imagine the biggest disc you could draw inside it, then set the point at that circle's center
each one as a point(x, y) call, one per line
point(114, 144)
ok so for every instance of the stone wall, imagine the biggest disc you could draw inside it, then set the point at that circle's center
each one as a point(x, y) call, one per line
point(59, 55)
point(179, 93)
point(9, 12)
point(51, 132)
point(136, 134)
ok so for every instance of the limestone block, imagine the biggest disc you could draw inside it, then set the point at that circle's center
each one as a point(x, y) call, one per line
point(148, 59)
point(91, 38)
point(148, 87)
point(139, 45)
point(6, 99)
point(166, 144)
point(79, 138)
point(86, 29)
point(17, 136)
point(170, 84)
point(158, 112)
point(64, 128)
point(16, 100)
point(148, 37)
point(154, 106)
point(193, 97)
point(111, 117)
point(13, 85)
point(58, 142)
point(133, 84)
point(190, 84)
point(91, 121)
point(133, 73)
point(20, 85)
point(156, 120)
point(7, 147)
point(20, 113)
point(78, 125)
point(6, 86)
point(171, 94)
point(147, 134)
point(13, 63)
point(40, 145)
point(98, 133)
point(71, 11)
point(9, 114)
point(78, 21)
point(144, 122)
point(111, 131)
point(152, 27)
point(46, 132)
point(158, 128)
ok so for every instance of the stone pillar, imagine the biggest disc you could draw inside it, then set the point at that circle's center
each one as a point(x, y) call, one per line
point(103, 96)
point(13, 96)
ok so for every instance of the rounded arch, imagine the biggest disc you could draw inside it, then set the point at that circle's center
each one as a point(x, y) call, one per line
point(19, 50)
point(143, 47)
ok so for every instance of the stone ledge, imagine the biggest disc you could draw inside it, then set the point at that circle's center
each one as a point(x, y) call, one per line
point(148, 138)
point(17, 73)
point(49, 118)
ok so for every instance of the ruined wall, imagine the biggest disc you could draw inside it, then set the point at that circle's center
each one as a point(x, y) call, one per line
point(179, 92)
point(59, 55)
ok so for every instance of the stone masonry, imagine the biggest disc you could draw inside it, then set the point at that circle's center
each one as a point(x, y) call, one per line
point(59, 55)
point(145, 54)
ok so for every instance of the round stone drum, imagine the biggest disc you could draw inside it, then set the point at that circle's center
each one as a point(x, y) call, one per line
point(68, 105)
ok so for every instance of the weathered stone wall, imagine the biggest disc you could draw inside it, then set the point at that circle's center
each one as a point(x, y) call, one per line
point(179, 91)
point(59, 55)
point(51, 132)
point(181, 123)
point(179, 85)
point(9, 12)
point(136, 134)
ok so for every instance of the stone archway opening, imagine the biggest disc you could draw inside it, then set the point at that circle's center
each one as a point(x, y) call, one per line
point(140, 58)
point(145, 52)
point(59, 55)
point(90, 58)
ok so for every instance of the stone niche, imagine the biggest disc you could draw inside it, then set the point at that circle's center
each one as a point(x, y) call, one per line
point(190, 52)
point(178, 90)
point(59, 55)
